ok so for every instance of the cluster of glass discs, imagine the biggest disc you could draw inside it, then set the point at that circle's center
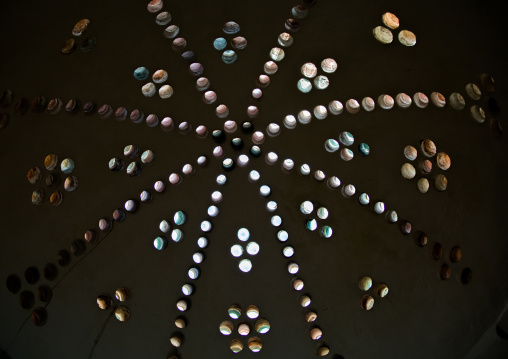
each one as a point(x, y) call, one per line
point(179, 219)
point(134, 168)
point(105, 302)
point(365, 284)
point(238, 43)
point(159, 77)
point(87, 44)
point(384, 34)
point(307, 207)
point(309, 70)
point(261, 325)
point(35, 174)
point(251, 248)
point(347, 139)
point(425, 165)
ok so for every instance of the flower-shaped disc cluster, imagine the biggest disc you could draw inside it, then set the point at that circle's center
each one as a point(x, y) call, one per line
point(260, 325)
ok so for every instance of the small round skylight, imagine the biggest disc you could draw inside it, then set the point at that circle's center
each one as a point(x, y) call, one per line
point(213, 211)
point(252, 248)
point(202, 242)
point(198, 257)
point(236, 250)
point(245, 265)
point(288, 251)
point(243, 234)
point(276, 221)
point(282, 235)
point(254, 175)
point(271, 206)
point(206, 226)
point(221, 179)
point(264, 190)
point(176, 235)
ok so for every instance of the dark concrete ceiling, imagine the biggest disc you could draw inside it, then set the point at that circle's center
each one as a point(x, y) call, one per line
point(423, 316)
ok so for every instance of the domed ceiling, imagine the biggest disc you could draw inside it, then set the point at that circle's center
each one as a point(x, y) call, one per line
point(267, 179)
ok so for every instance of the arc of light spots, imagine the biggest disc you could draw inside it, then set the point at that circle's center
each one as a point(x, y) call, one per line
point(78, 247)
point(366, 301)
point(179, 45)
point(183, 304)
point(106, 111)
point(277, 54)
point(293, 268)
point(122, 313)
point(385, 102)
point(379, 207)
point(39, 315)
point(39, 104)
